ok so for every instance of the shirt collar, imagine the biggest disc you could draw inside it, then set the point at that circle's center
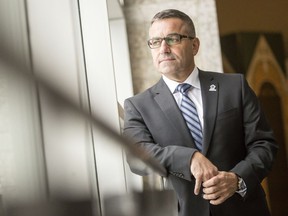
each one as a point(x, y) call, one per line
point(192, 79)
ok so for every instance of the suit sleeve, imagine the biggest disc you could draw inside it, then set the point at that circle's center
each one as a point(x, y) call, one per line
point(259, 140)
point(176, 159)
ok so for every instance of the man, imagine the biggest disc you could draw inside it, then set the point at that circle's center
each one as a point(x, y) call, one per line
point(216, 160)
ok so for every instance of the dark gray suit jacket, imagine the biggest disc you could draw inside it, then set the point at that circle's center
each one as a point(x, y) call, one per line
point(236, 138)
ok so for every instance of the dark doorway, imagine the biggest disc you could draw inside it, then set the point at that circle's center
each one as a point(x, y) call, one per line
point(278, 178)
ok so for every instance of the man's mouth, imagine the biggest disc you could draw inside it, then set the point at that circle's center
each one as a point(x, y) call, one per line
point(166, 59)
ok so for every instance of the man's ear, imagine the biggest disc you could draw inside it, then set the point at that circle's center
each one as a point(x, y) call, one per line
point(195, 45)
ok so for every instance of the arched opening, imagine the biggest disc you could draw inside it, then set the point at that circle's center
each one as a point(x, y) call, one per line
point(278, 177)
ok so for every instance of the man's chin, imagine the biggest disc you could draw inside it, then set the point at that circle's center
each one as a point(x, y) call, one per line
point(167, 72)
point(167, 69)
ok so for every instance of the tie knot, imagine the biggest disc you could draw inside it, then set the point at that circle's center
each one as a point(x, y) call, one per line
point(183, 88)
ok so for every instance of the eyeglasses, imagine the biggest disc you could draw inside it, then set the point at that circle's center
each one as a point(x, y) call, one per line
point(170, 40)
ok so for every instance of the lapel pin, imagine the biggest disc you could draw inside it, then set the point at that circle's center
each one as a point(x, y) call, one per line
point(212, 87)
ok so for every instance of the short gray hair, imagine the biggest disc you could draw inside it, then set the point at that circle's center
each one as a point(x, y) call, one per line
point(173, 13)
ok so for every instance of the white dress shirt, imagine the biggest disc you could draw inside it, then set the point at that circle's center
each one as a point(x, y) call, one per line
point(194, 92)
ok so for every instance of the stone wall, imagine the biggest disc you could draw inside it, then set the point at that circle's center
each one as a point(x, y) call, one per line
point(138, 14)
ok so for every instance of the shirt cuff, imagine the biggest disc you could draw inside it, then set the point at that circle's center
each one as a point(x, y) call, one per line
point(242, 188)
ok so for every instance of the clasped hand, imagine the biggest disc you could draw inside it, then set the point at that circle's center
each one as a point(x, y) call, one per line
point(217, 185)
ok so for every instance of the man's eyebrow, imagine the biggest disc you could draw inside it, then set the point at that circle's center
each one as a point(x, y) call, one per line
point(173, 33)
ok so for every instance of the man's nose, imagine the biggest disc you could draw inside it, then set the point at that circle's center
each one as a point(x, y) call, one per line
point(164, 48)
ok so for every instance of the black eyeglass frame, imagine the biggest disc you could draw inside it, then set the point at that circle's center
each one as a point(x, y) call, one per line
point(180, 37)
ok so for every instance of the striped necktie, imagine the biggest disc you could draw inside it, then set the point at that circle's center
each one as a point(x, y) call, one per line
point(190, 114)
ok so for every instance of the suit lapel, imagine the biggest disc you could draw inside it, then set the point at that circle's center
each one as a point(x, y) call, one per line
point(168, 105)
point(210, 91)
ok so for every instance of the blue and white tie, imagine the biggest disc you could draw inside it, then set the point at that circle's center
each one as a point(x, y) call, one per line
point(190, 114)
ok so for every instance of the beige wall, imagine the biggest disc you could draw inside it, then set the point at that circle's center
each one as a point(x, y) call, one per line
point(138, 14)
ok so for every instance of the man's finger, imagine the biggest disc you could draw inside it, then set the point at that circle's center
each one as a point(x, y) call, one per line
point(210, 182)
point(197, 186)
point(218, 201)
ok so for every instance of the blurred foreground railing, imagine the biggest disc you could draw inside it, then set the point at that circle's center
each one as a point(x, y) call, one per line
point(136, 203)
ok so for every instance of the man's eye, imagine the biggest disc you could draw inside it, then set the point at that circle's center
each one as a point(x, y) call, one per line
point(172, 40)
point(156, 42)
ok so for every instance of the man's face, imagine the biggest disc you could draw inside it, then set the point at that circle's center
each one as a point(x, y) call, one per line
point(177, 61)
